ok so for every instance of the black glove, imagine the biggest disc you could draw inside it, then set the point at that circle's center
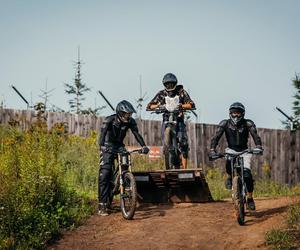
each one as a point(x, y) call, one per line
point(104, 149)
point(213, 155)
point(179, 107)
point(145, 150)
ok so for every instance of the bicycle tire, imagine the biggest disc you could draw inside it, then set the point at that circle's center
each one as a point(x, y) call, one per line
point(238, 200)
point(172, 160)
point(167, 137)
point(129, 198)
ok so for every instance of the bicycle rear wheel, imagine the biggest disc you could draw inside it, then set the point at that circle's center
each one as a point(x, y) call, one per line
point(129, 197)
point(238, 200)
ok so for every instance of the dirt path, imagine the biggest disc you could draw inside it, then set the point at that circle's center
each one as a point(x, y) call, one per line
point(181, 226)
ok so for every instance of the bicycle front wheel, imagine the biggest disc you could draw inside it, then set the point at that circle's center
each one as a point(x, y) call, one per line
point(128, 198)
point(238, 200)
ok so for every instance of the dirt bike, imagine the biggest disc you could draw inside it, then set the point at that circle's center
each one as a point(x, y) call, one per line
point(123, 183)
point(171, 147)
point(239, 189)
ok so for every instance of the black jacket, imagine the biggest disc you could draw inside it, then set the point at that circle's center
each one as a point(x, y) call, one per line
point(237, 135)
point(184, 98)
point(114, 131)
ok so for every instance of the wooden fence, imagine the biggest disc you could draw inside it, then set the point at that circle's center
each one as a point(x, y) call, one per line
point(281, 147)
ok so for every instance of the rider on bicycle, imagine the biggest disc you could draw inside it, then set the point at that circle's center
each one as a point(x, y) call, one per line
point(171, 90)
point(111, 138)
point(237, 130)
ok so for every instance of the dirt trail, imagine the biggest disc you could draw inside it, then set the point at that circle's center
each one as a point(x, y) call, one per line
point(179, 226)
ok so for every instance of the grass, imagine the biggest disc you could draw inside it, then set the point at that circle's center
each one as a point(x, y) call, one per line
point(215, 178)
point(288, 237)
point(40, 191)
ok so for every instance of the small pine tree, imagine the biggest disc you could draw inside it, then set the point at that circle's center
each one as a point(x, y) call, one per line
point(296, 102)
point(77, 89)
point(296, 105)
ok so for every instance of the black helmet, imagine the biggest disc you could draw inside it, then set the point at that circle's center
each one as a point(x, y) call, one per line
point(169, 81)
point(236, 107)
point(124, 110)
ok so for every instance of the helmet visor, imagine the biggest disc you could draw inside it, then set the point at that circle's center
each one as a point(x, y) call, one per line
point(170, 85)
point(236, 114)
point(125, 117)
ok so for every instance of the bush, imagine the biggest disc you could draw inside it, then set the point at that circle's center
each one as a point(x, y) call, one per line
point(36, 201)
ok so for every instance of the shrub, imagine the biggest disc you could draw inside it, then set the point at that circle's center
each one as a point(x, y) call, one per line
point(36, 201)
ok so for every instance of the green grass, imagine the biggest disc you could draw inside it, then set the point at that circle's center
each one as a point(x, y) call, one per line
point(215, 178)
point(288, 237)
point(39, 194)
point(279, 239)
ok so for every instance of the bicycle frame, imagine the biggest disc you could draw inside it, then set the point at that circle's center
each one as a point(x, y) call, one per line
point(173, 146)
point(237, 169)
point(239, 188)
point(123, 166)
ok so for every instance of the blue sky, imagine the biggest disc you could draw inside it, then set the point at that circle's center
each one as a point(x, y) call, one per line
point(222, 51)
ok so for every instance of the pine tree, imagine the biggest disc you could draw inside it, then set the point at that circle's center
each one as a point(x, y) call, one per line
point(296, 106)
point(296, 102)
point(77, 89)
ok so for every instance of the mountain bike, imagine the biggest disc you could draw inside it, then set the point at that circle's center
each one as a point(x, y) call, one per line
point(123, 183)
point(239, 189)
point(171, 147)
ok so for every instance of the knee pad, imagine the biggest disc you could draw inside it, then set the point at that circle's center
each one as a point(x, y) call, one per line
point(247, 173)
point(184, 145)
point(184, 154)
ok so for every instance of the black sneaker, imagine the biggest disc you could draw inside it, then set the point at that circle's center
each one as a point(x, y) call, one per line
point(228, 183)
point(250, 204)
point(102, 210)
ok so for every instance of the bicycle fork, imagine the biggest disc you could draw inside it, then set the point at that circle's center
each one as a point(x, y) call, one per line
point(124, 161)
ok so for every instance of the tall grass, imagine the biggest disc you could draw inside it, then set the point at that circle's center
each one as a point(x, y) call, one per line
point(37, 198)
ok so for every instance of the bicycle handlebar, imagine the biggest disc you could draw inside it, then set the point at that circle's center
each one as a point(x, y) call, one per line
point(234, 155)
point(139, 150)
point(164, 110)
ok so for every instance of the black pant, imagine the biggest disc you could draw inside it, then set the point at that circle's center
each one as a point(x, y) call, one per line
point(247, 176)
point(105, 175)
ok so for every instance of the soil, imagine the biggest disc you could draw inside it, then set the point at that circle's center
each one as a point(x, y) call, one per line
point(180, 226)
